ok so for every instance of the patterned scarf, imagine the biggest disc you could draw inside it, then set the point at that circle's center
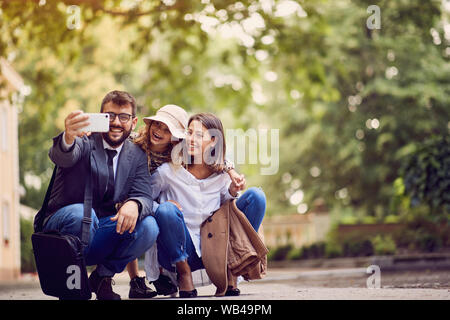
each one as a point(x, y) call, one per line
point(155, 159)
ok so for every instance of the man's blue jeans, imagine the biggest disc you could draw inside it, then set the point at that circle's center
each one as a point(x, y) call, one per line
point(174, 241)
point(107, 249)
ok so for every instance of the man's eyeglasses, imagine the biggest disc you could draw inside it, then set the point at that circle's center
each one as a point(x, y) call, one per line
point(123, 117)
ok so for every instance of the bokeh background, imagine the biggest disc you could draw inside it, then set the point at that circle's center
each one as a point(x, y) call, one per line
point(363, 113)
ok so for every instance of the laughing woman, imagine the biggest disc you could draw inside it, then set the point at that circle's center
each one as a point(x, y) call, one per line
point(190, 193)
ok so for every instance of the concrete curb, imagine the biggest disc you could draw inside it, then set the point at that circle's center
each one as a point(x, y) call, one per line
point(412, 262)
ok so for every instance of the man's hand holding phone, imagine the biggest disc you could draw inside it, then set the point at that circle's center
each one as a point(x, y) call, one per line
point(74, 124)
point(79, 124)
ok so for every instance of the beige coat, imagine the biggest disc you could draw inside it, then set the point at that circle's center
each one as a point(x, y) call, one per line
point(231, 248)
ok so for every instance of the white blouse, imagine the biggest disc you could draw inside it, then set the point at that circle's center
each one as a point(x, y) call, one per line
point(198, 198)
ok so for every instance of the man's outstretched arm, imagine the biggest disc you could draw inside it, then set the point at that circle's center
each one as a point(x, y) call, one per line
point(67, 149)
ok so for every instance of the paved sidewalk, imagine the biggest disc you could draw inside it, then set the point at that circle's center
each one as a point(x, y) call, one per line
point(292, 284)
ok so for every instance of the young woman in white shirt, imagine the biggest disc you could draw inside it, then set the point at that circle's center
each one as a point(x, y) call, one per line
point(192, 190)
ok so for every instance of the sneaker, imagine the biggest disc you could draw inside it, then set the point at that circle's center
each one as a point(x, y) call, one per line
point(139, 290)
point(165, 286)
point(102, 287)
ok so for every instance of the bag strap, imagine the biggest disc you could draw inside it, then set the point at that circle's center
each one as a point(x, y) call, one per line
point(87, 207)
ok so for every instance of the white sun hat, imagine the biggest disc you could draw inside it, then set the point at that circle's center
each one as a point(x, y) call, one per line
point(174, 117)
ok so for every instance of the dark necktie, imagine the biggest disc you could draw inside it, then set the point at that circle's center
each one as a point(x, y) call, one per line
point(110, 187)
point(106, 207)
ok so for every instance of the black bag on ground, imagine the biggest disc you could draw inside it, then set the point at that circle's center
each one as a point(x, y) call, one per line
point(59, 257)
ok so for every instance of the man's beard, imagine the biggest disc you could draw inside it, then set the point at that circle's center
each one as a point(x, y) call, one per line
point(116, 143)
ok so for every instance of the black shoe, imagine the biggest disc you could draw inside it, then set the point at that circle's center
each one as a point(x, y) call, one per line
point(165, 286)
point(188, 294)
point(139, 290)
point(102, 287)
point(232, 292)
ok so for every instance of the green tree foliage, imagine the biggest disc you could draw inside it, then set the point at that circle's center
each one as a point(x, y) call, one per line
point(373, 97)
point(427, 175)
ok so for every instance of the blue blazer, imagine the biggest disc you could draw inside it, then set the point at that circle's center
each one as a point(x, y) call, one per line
point(132, 180)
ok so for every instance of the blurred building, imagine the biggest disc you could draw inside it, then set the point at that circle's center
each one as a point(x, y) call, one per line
point(11, 85)
point(297, 229)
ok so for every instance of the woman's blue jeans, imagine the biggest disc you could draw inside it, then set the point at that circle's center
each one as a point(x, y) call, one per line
point(107, 249)
point(174, 241)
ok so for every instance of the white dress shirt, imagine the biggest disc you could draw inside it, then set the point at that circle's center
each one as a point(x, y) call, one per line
point(106, 145)
point(198, 198)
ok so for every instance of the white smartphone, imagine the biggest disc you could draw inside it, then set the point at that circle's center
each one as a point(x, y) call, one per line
point(98, 122)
